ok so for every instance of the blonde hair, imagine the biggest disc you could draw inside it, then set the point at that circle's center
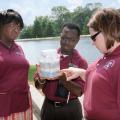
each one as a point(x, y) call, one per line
point(107, 21)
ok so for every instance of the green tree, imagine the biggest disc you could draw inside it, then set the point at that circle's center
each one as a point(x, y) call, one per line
point(50, 29)
point(85, 29)
point(27, 32)
point(61, 15)
point(46, 26)
point(37, 27)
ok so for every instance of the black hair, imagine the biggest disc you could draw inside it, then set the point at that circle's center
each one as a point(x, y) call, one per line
point(8, 16)
point(72, 26)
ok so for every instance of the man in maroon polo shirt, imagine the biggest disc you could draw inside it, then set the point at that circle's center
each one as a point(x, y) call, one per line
point(61, 97)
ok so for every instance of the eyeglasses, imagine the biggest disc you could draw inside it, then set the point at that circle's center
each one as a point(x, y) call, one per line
point(16, 27)
point(94, 36)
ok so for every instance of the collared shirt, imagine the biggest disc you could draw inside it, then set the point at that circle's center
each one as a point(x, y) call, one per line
point(13, 80)
point(51, 86)
point(102, 89)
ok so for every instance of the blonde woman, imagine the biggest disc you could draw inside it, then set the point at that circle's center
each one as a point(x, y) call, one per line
point(102, 88)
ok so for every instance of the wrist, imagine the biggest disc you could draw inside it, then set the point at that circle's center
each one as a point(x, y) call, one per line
point(42, 81)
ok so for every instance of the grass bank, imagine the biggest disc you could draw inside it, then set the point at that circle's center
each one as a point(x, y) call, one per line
point(31, 72)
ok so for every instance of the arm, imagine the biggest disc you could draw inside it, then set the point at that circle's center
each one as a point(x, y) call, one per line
point(39, 84)
point(118, 93)
point(73, 73)
point(72, 86)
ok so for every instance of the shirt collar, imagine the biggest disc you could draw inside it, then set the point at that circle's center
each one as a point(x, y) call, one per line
point(6, 45)
point(62, 55)
point(115, 52)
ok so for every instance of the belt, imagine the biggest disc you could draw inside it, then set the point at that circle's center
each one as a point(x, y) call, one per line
point(56, 104)
point(59, 104)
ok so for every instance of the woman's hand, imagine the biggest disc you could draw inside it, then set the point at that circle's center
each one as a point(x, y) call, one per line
point(72, 73)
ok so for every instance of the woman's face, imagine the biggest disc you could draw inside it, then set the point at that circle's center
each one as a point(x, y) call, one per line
point(98, 40)
point(69, 39)
point(11, 31)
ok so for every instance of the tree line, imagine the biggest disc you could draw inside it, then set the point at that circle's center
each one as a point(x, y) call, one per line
point(50, 26)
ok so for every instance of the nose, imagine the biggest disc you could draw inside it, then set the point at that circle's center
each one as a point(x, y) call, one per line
point(93, 43)
point(17, 30)
point(66, 41)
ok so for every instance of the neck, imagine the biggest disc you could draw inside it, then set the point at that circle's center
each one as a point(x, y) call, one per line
point(116, 44)
point(7, 43)
point(66, 52)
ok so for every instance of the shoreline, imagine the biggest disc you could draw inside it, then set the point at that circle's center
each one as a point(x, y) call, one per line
point(45, 38)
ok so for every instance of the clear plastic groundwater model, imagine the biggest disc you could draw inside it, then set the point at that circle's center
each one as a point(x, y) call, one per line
point(49, 61)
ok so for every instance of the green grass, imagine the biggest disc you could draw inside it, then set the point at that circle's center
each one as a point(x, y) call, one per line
point(31, 72)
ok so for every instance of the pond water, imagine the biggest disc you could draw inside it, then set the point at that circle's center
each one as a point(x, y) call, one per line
point(32, 49)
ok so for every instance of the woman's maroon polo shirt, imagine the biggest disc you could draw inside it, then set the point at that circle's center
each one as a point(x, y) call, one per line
point(102, 89)
point(13, 80)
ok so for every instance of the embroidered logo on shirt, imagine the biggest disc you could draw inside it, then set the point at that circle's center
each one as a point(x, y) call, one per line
point(19, 53)
point(109, 64)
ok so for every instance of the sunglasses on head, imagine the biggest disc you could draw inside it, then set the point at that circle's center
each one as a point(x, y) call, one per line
point(94, 36)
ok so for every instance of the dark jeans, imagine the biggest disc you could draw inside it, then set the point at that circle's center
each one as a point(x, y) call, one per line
point(70, 111)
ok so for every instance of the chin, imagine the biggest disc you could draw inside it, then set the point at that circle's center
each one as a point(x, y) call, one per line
point(103, 52)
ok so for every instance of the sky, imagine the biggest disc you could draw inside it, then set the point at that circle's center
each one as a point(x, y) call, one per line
point(29, 9)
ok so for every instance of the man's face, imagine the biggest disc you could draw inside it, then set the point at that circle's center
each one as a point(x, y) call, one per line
point(69, 39)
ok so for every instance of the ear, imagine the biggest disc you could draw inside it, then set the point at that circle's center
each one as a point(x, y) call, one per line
point(78, 39)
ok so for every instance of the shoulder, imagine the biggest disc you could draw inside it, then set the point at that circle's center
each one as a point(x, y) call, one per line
point(17, 46)
point(82, 61)
point(76, 53)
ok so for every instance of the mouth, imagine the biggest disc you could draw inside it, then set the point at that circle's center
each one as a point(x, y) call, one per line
point(66, 48)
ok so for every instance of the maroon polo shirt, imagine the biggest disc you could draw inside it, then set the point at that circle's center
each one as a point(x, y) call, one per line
point(13, 80)
point(102, 89)
point(51, 86)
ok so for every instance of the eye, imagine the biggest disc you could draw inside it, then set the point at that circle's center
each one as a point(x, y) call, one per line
point(93, 37)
